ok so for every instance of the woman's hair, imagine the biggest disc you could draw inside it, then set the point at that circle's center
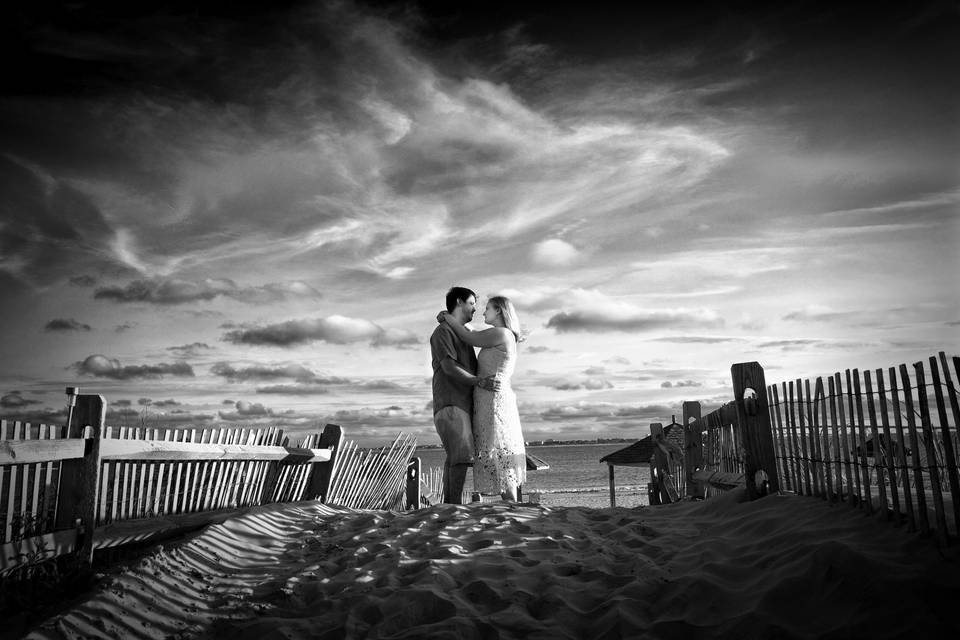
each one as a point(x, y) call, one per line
point(510, 318)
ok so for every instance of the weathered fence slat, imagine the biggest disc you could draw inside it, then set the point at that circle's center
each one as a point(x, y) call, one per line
point(915, 447)
point(902, 449)
point(928, 436)
point(837, 427)
point(950, 459)
point(888, 438)
point(861, 430)
point(877, 455)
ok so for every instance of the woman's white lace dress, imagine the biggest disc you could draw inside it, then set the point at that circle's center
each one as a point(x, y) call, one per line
point(501, 456)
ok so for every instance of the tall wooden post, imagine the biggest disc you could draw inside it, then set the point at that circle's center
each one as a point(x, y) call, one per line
point(753, 415)
point(91, 410)
point(692, 446)
point(272, 474)
point(413, 484)
point(322, 472)
point(613, 486)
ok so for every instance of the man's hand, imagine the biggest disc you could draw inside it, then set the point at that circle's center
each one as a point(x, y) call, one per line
point(489, 383)
point(441, 315)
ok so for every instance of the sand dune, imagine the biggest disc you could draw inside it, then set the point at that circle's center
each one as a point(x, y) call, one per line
point(781, 567)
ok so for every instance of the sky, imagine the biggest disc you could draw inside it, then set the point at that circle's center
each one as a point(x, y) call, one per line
point(228, 213)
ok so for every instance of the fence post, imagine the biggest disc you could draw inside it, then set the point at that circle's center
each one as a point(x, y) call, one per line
point(413, 484)
point(91, 410)
point(272, 474)
point(753, 415)
point(693, 446)
point(321, 473)
point(662, 461)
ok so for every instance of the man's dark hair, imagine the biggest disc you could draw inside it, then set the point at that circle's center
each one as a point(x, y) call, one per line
point(455, 295)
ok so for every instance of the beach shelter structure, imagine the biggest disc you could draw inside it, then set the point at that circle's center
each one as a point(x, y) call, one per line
point(639, 453)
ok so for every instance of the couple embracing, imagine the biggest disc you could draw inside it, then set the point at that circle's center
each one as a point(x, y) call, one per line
point(474, 406)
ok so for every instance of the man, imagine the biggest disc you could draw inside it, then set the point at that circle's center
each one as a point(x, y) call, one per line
point(454, 378)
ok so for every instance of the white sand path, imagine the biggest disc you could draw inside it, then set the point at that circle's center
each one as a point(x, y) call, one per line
point(780, 567)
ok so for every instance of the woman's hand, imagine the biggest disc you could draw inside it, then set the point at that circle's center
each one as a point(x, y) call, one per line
point(449, 318)
point(489, 383)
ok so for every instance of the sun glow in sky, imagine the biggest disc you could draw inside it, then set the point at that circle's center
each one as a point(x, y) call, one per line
point(213, 213)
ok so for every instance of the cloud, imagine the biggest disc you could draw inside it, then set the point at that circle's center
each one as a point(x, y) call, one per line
point(817, 313)
point(100, 366)
point(83, 281)
point(335, 329)
point(680, 383)
point(62, 324)
point(604, 412)
point(124, 327)
point(696, 339)
point(295, 389)
point(245, 409)
point(554, 253)
point(630, 320)
point(260, 372)
point(15, 400)
point(191, 350)
point(590, 384)
point(173, 292)
point(539, 349)
point(617, 360)
point(594, 371)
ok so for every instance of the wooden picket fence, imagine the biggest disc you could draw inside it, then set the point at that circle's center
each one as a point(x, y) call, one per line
point(884, 443)
point(372, 479)
point(85, 486)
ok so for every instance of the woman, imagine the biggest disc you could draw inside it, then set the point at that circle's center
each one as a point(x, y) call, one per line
point(501, 458)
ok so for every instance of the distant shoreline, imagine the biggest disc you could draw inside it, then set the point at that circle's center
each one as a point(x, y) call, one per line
point(555, 443)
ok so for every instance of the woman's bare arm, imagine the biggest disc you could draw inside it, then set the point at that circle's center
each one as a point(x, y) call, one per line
point(492, 337)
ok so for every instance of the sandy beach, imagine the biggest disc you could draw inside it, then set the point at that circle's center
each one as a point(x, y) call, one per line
point(780, 567)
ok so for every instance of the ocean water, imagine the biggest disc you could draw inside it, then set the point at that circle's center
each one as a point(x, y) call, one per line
point(576, 477)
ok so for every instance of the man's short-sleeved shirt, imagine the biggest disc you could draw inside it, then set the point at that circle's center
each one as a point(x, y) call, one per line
point(444, 343)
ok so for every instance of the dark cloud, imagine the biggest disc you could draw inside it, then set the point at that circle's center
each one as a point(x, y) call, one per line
point(246, 410)
point(590, 384)
point(634, 322)
point(66, 324)
point(295, 389)
point(190, 350)
point(260, 372)
point(166, 403)
point(99, 366)
point(83, 281)
point(124, 327)
point(667, 384)
point(173, 292)
point(538, 349)
point(604, 412)
point(120, 403)
point(15, 400)
point(334, 330)
point(50, 227)
point(695, 339)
